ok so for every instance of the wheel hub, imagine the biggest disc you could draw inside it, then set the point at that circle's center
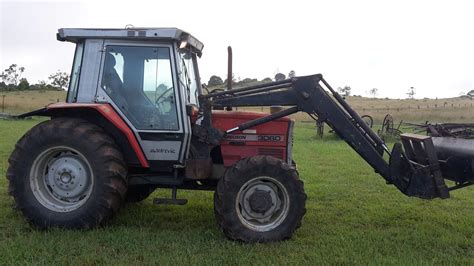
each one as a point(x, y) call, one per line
point(260, 201)
point(61, 179)
point(67, 177)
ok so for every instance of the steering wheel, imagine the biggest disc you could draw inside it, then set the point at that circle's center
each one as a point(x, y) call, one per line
point(158, 101)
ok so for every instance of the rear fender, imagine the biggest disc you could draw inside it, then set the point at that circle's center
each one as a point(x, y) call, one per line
point(104, 116)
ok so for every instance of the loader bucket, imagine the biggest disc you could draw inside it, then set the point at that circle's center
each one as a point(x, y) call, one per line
point(415, 170)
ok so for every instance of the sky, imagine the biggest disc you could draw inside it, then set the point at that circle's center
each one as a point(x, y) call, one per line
point(388, 45)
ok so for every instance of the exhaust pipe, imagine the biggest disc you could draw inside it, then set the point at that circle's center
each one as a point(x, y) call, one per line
point(229, 68)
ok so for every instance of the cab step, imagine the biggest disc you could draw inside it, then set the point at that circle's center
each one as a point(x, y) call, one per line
point(170, 201)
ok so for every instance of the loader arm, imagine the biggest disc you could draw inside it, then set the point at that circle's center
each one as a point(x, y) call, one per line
point(307, 94)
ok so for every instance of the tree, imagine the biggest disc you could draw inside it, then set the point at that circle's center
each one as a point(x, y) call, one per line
point(470, 94)
point(12, 74)
point(280, 76)
point(373, 92)
point(59, 79)
point(215, 81)
point(411, 93)
point(24, 84)
point(346, 91)
point(266, 80)
point(292, 74)
point(42, 86)
point(248, 80)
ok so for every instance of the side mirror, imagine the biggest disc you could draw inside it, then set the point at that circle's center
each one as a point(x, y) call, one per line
point(192, 110)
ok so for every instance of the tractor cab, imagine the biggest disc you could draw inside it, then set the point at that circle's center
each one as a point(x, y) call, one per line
point(149, 76)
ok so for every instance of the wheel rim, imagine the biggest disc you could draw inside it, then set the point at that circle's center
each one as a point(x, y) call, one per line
point(262, 203)
point(61, 179)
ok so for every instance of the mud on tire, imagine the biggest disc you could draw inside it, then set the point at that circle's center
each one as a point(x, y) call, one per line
point(260, 199)
point(67, 173)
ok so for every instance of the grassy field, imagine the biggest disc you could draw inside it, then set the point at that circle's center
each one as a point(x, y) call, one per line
point(17, 102)
point(353, 218)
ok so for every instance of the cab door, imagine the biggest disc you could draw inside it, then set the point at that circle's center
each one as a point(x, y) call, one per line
point(140, 81)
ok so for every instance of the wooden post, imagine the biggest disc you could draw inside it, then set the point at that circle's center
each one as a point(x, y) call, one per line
point(3, 103)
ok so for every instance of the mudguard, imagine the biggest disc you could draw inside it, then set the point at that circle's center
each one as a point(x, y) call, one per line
point(103, 109)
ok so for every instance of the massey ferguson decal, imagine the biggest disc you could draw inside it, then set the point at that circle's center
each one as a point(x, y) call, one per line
point(252, 137)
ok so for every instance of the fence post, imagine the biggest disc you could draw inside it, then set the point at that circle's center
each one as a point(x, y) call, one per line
point(3, 103)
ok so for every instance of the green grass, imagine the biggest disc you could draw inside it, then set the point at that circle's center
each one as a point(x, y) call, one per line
point(352, 218)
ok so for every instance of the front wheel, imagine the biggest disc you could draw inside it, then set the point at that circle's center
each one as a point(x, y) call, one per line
point(260, 199)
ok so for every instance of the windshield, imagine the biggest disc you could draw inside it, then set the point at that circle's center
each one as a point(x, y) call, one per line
point(188, 76)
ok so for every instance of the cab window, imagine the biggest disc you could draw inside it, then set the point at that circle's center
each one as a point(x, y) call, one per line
point(75, 73)
point(139, 80)
point(188, 77)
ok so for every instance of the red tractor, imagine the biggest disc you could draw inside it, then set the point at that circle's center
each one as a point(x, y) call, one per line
point(136, 119)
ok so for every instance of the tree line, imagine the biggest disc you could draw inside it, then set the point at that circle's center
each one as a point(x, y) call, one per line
point(11, 79)
point(216, 81)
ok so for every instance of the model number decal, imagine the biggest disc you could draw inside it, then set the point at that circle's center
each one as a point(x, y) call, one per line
point(251, 137)
point(161, 150)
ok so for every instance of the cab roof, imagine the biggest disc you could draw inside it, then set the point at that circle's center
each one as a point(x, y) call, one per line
point(147, 34)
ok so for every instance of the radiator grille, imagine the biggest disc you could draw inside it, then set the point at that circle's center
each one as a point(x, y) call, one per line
point(277, 153)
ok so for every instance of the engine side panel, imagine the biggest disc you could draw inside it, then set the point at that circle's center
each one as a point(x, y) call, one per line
point(271, 138)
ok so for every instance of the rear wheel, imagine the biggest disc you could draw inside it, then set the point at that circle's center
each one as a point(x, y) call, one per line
point(67, 173)
point(260, 199)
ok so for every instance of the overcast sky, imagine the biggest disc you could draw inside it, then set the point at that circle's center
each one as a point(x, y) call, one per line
point(388, 45)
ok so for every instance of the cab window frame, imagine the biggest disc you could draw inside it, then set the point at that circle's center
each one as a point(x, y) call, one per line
point(174, 79)
point(73, 87)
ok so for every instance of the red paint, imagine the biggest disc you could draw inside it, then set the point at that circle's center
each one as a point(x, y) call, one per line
point(232, 153)
point(108, 112)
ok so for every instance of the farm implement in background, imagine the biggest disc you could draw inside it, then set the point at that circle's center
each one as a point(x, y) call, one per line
point(453, 130)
